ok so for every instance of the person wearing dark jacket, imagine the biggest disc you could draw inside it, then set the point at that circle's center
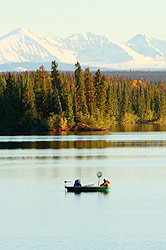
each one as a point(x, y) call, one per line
point(106, 183)
point(77, 183)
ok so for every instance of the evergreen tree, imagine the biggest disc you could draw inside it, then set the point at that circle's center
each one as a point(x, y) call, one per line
point(80, 98)
point(90, 91)
point(134, 99)
point(29, 102)
point(110, 100)
point(116, 110)
point(162, 104)
point(11, 101)
point(102, 87)
point(2, 100)
point(141, 104)
point(97, 85)
point(68, 102)
point(126, 101)
point(120, 97)
point(41, 90)
point(57, 87)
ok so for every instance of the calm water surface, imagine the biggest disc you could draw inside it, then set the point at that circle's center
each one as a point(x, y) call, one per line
point(37, 213)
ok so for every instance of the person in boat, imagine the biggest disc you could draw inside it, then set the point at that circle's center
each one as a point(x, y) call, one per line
point(77, 183)
point(106, 183)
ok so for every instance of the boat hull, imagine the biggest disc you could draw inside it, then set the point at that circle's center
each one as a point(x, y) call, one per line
point(87, 189)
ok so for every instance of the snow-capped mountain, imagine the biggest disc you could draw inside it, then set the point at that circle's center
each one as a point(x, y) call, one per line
point(92, 48)
point(22, 46)
point(148, 46)
point(100, 51)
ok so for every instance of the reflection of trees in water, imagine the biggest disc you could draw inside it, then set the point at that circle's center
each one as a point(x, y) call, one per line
point(144, 127)
point(80, 144)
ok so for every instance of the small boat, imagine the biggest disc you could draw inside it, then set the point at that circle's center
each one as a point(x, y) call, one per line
point(88, 188)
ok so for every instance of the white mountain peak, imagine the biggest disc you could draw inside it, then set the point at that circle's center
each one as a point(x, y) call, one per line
point(22, 45)
point(141, 38)
point(20, 31)
point(148, 46)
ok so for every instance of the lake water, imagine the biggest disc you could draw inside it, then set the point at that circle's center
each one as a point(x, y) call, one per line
point(37, 213)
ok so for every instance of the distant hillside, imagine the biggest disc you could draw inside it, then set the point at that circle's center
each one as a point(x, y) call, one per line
point(154, 76)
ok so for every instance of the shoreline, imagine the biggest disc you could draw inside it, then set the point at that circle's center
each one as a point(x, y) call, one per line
point(78, 128)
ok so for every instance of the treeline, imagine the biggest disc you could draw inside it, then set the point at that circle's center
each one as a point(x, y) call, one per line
point(155, 76)
point(64, 101)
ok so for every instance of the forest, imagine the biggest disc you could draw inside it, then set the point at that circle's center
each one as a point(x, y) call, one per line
point(79, 100)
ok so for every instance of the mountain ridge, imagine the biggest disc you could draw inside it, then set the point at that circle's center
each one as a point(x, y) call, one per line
point(22, 45)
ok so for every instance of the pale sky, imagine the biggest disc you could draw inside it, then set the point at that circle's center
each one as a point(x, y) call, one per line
point(119, 20)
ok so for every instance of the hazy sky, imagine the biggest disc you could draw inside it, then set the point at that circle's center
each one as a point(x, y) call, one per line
point(118, 19)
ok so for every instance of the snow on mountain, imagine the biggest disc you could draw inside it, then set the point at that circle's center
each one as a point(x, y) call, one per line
point(23, 46)
point(99, 51)
point(148, 46)
point(20, 46)
point(92, 48)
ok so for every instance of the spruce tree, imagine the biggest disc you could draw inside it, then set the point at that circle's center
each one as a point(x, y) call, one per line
point(126, 101)
point(103, 95)
point(110, 100)
point(80, 98)
point(2, 100)
point(29, 101)
point(90, 91)
point(57, 87)
point(141, 104)
point(68, 102)
point(116, 105)
point(11, 101)
point(97, 85)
